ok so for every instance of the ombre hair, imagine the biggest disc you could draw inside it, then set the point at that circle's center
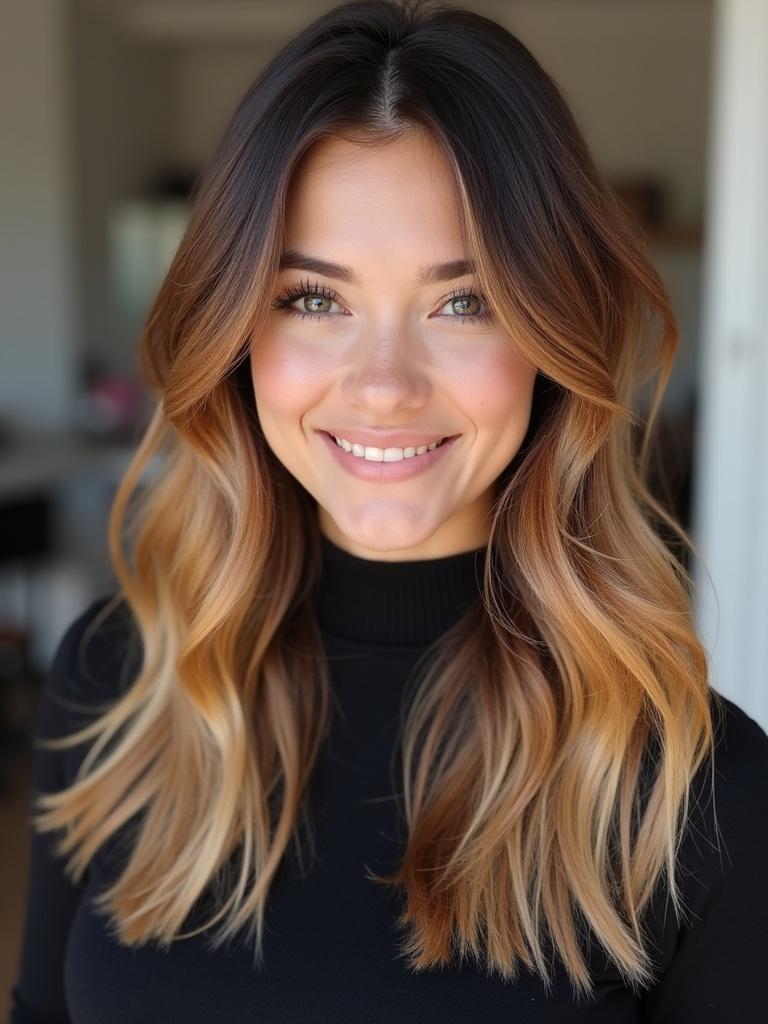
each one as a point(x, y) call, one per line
point(552, 737)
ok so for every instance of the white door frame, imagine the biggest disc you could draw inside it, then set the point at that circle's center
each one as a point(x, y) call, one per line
point(730, 500)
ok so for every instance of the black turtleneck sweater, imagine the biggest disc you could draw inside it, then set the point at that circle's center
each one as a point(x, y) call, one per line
point(331, 946)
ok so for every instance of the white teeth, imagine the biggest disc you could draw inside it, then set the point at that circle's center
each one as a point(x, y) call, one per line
point(373, 454)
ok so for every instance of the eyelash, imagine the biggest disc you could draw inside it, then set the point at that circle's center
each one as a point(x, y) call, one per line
point(298, 291)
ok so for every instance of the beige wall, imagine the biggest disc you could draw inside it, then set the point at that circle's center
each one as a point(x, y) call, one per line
point(125, 129)
point(637, 75)
point(37, 308)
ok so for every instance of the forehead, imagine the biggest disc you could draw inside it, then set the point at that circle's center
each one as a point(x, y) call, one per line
point(399, 193)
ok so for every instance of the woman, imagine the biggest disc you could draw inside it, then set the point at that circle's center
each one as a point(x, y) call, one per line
point(400, 712)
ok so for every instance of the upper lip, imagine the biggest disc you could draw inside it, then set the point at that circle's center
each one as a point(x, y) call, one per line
point(386, 439)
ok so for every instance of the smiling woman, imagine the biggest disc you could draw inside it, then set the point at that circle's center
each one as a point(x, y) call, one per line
point(398, 597)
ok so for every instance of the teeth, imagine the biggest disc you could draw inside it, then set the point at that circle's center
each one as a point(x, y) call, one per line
point(373, 454)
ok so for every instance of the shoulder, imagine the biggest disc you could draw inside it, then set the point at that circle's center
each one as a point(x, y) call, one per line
point(96, 659)
point(710, 966)
point(727, 831)
point(740, 756)
point(97, 656)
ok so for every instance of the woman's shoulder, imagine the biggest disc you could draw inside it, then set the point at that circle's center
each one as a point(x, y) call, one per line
point(713, 959)
point(740, 755)
point(96, 658)
point(726, 838)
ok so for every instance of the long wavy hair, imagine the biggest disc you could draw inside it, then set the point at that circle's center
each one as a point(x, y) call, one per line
point(550, 745)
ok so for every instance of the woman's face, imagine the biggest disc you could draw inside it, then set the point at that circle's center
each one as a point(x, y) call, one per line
point(386, 356)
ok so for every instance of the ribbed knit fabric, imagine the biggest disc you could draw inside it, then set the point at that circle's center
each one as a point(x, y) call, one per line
point(408, 603)
point(333, 945)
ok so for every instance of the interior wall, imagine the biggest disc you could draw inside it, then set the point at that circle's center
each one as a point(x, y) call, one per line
point(126, 99)
point(637, 76)
point(731, 493)
point(38, 316)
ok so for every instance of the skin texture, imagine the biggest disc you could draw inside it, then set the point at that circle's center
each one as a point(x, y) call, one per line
point(396, 355)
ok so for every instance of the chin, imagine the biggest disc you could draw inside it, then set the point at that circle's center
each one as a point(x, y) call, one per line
point(384, 543)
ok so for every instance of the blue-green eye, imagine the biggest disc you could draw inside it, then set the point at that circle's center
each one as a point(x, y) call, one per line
point(463, 300)
point(321, 296)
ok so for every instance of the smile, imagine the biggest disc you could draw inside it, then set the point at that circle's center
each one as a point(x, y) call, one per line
point(385, 465)
point(374, 454)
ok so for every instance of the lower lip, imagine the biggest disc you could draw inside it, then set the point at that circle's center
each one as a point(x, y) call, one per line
point(380, 472)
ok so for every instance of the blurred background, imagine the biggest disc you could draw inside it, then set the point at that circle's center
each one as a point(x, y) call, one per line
point(109, 109)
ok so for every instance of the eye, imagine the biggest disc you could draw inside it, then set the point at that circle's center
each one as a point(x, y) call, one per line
point(319, 296)
point(464, 304)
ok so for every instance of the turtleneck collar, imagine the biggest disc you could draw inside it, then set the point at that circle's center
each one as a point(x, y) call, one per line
point(401, 603)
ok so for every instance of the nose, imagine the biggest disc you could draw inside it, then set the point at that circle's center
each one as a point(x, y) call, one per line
point(388, 376)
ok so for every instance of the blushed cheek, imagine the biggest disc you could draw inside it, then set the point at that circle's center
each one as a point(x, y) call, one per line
point(287, 379)
point(496, 391)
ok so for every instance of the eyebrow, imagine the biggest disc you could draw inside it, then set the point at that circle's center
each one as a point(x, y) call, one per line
point(292, 259)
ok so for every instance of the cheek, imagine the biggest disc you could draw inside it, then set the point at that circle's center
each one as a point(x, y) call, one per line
point(286, 378)
point(495, 390)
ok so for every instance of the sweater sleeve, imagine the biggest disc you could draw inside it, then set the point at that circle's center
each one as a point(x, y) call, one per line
point(714, 964)
point(38, 995)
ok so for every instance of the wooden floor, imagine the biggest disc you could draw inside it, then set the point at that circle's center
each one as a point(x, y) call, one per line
point(14, 829)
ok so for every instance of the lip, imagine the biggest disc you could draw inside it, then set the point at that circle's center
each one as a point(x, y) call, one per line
point(382, 472)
